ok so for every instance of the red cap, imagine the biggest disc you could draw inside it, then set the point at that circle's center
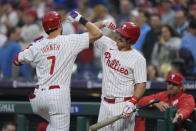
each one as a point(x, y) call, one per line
point(193, 7)
point(31, 12)
point(175, 78)
point(24, 4)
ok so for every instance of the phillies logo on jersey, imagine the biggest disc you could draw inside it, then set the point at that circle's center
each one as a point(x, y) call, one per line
point(114, 64)
point(175, 102)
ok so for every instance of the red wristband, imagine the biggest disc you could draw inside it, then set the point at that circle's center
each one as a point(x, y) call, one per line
point(134, 100)
point(16, 62)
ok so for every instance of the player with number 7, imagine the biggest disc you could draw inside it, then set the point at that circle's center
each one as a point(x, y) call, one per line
point(54, 57)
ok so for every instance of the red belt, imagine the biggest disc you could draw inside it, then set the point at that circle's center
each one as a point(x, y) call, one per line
point(37, 86)
point(50, 87)
point(113, 100)
point(32, 95)
point(54, 87)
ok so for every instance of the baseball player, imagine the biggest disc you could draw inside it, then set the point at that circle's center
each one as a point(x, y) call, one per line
point(123, 68)
point(54, 57)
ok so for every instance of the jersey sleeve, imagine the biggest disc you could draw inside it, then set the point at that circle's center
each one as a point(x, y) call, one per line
point(139, 70)
point(103, 43)
point(147, 99)
point(186, 106)
point(27, 55)
point(79, 42)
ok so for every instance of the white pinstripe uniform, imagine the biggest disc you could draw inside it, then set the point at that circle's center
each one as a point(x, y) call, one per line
point(54, 59)
point(121, 71)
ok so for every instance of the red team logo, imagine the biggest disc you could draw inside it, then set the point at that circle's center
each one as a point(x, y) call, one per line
point(114, 64)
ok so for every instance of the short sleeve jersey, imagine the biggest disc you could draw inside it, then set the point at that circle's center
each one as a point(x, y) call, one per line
point(54, 58)
point(121, 69)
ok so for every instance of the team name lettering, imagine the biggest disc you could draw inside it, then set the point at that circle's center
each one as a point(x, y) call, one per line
point(50, 48)
point(114, 64)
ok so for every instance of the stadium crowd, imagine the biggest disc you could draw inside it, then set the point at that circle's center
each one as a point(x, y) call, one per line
point(168, 33)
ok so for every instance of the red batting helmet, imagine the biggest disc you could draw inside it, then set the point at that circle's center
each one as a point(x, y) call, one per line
point(129, 30)
point(51, 21)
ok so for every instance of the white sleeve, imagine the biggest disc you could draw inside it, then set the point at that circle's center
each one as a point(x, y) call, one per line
point(79, 41)
point(103, 43)
point(28, 55)
point(139, 71)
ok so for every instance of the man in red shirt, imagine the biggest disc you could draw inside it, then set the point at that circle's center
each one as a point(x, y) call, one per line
point(174, 96)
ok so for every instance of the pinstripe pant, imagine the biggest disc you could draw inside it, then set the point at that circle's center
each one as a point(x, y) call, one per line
point(108, 110)
point(54, 106)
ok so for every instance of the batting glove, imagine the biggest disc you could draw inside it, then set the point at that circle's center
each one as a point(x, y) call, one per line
point(109, 24)
point(128, 109)
point(74, 16)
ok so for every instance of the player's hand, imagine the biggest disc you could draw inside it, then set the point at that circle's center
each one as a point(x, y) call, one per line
point(177, 118)
point(109, 24)
point(162, 106)
point(74, 16)
point(128, 109)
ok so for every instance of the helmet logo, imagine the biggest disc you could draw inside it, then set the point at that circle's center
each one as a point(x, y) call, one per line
point(124, 26)
point(172, 77)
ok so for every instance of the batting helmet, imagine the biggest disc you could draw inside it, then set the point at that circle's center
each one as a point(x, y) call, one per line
point(130, 31)
point(51, 21)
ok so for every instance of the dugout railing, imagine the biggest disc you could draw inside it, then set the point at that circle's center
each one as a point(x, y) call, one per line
point(82, 110)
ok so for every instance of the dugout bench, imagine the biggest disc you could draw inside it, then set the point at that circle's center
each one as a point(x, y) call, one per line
point(84, 109)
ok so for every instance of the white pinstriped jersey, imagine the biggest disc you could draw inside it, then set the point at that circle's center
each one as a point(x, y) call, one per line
point(54, 58)
point(121, 69)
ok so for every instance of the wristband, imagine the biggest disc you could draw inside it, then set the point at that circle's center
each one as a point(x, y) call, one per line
point(16, 62)
point(83, 21)
point(134, 100)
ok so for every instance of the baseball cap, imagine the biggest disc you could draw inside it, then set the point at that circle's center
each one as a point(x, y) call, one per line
point(175, 78)
point(32, 12)
point(24, 5)
point(193, 7)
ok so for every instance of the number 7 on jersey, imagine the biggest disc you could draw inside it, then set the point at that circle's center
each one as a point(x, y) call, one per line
point(53, 58)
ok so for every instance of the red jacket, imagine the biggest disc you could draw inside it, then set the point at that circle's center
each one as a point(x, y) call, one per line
point(184, 102)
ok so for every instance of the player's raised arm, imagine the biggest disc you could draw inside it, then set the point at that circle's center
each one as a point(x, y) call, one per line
point(27, 55)
point(94, 32)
